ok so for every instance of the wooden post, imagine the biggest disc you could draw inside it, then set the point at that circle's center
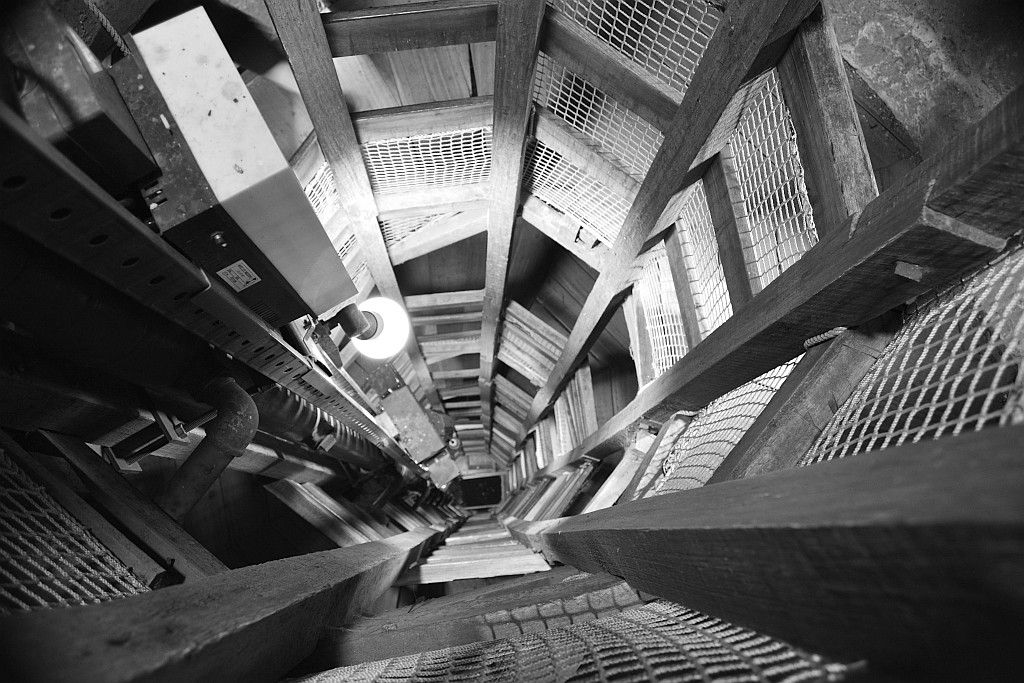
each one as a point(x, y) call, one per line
point(838, 173)
point(301, 31)
point(902, 557)
point(254, 623)
point(729, 216)
point(515, 60)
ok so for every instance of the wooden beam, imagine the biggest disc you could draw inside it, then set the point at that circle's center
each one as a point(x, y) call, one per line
point(575, 148)
point(861, 558)
point(446, 319)
point(254, 623)
point(431, 200)
point(837, 169)
point(422, 119)
point(683, 289)
point(719, 73)
point(438, 235)
point(301, 31)
point(563, 231)
point(732, 227)
point(410, 26)
point(515, 61)
point(323, 516)
point(457, 374)
point(419, 302)
point(820, 383)
point(152, 527)
point(140, 564)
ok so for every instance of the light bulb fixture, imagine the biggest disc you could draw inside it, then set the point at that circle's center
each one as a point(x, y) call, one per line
point(388, 329)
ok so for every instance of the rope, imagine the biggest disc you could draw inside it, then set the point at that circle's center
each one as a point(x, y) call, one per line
point(823, 337)
point(105, 23)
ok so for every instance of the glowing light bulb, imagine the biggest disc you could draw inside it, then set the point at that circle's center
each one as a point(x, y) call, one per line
point(392, 329)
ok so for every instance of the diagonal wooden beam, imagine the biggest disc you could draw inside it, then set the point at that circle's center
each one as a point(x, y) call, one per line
point(422, 119)
point(563, 231)
point(301, 31)
point(515, 60)
point(439, 235)
point(410, 26)
point(742, 32)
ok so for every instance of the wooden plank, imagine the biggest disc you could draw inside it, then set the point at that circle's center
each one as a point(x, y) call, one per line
point(861, 558)
point(302, 36)
point(422, 119)
point(617, 481)
point(820, 383)
point(528, 563)
point(303, 502)
point(684, 292)
point(515, 61)
point(563, 231)
point(438, 235)
point(410, 26)
point(431, 200)
point(153, 528)
point(732, 227)
point(421, 302)
point(837, 169)
point(728, 57)
point(456, 374)
point(446, 319)
point(254, 623)
point(140, 564)
point(574, 147)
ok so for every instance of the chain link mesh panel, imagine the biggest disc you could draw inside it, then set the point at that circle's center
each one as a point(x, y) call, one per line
point(703, 263)
point(664, 37)
point(397, 229)
point(449, 159)
point(627, 140)
point(716, 430)
point(659, 641)
point(772, 184)
point(570, 190)
point(954, 367)
point(323, 193)
point(47, 558)
point(656, 293)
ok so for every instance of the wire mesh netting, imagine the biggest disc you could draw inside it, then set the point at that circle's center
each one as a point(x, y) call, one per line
point(47, 558)
point(397, 229)
point(664, 37)
point(570, 190)
point(772, 184)
point(703, 263)
point(353, 259)
point(448, 159)
point(656, 293)
point(658, 641)
point(323, 193)
point(716, 430)
point(954, 367)
point(626, 139)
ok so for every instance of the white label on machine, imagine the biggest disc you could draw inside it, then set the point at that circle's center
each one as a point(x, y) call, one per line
point(239, 275)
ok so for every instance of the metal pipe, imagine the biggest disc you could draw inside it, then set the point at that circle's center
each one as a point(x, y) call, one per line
point(227, 437)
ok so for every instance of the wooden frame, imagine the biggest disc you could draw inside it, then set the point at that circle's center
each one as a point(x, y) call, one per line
point(881, 556)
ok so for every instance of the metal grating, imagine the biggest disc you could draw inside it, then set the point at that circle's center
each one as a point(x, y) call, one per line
point(570, 190)
point(626, 139)
point(397, 229)
point(658, 641)
point(772, 183)
point(47, 558)
point(452, 158)
point(656, 293)
point(702, 261)
point(719, 426)
point(954, 367)
point(323, 193)
point(664, 37)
